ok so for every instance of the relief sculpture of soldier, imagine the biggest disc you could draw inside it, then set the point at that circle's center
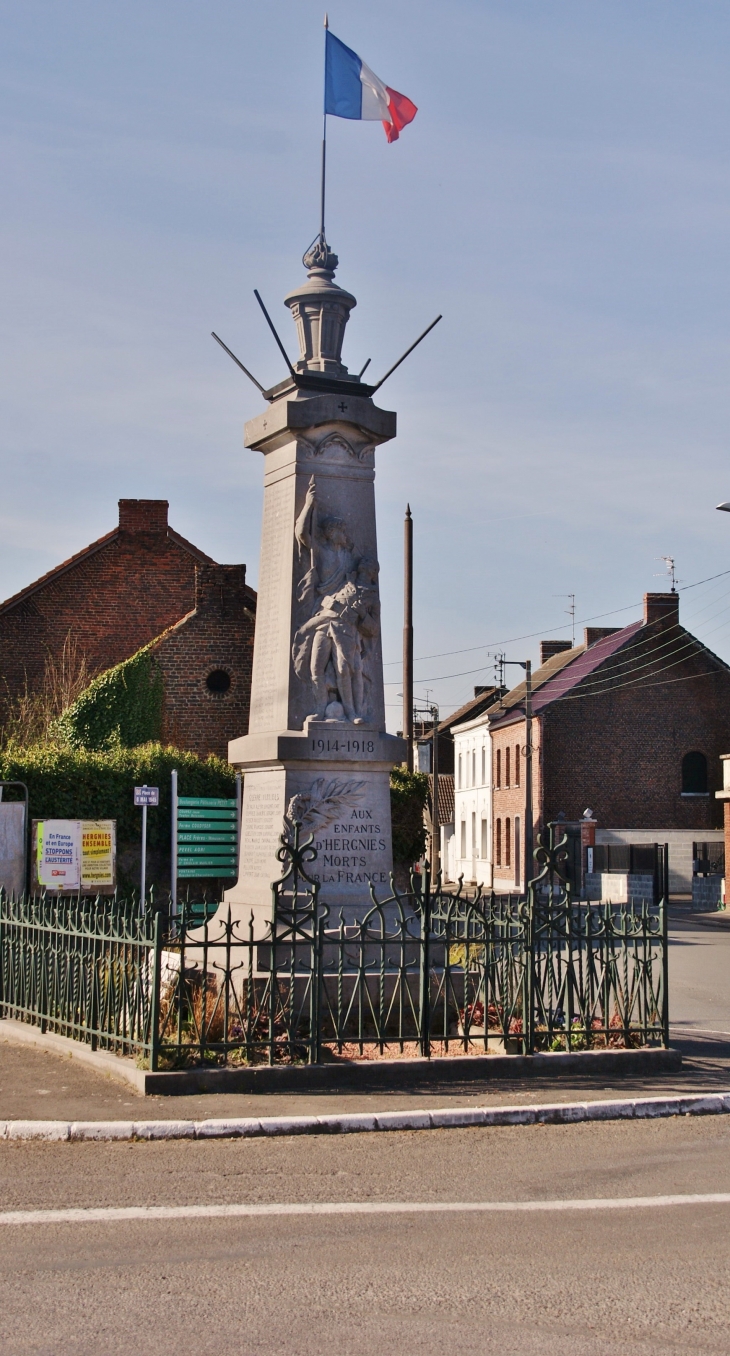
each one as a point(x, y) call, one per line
point(340, 591)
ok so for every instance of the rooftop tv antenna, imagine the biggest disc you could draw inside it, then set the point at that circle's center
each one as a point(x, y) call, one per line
point(570, 610)
point(669, 562)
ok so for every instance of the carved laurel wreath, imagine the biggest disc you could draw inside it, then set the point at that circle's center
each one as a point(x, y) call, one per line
point(325, 801)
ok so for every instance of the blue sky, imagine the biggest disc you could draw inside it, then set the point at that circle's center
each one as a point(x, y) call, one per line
point(563, 197)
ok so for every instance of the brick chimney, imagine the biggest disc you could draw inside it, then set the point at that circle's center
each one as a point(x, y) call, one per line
point(143, 515)
point(661, 607)
point(221, 589)
point(548, 648)
point(593, 634)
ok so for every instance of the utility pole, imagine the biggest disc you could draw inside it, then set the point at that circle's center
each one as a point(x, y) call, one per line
point(408, 636)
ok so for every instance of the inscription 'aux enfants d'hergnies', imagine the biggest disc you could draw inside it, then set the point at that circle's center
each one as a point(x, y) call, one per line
point(347, 836)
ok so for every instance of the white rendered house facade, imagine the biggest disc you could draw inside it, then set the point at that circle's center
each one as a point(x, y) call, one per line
point(470, 847)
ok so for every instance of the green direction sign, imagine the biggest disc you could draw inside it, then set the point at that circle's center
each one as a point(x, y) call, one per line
point(207, 837)
point(208, 850)
point(202, 824)
point(223, 838)
point(183, 815)
point(207, 802)
point(212, 859)
point(204, 869)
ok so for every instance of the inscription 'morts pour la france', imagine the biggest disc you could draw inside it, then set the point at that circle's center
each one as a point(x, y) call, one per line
point(349, 850)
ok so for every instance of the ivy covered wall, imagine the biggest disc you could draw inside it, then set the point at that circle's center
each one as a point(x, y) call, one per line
point(122, 707)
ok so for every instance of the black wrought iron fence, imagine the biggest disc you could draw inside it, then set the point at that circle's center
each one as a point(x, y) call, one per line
point(84, 968)
point(425, 972)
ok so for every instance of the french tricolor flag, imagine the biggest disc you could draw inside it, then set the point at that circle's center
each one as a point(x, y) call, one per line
point(351, 90)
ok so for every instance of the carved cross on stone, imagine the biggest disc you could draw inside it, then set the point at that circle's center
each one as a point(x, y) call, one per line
point(342, 406)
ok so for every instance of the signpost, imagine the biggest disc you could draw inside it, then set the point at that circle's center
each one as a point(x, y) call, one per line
point(144, 796)
point(205, 837)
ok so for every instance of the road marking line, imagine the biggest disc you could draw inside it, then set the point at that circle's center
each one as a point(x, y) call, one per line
point(698, 1030)
point(120, 1214)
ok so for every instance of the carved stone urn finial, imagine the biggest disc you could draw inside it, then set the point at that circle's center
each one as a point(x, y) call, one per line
point(321, 310)
point(319, 259)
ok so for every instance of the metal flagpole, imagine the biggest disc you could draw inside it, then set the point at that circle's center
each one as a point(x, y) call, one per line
point(408, 638)
point(324, 137)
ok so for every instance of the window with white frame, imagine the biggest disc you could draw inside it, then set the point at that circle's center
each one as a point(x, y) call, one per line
point(463, 840)
point(484, 851)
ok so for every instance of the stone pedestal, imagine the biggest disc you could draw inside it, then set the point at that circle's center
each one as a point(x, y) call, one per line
point(317, 750)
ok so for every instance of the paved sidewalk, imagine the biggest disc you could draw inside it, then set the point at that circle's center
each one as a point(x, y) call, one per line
point(37, 1085)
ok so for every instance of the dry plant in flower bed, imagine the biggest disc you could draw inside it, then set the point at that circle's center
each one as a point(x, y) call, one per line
point(594, 1038)
point(350, 1050)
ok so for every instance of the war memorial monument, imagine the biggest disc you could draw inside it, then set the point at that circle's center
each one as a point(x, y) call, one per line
point(317, 750)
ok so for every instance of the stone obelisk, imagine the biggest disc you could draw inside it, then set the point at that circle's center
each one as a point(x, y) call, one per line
point(317, 750)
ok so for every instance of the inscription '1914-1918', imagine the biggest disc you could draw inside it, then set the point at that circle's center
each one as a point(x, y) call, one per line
point(351, 746)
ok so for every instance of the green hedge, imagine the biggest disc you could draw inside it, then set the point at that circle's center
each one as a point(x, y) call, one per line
point(72, 783)
point(66, 783)
point(408, 797)
point(123, 706)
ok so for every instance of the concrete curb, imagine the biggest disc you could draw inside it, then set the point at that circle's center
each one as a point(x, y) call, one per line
point(392, 1075)
point(247, 1127)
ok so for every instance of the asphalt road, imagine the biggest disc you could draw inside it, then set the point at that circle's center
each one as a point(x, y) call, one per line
point(631, 1280)
point(699, 974)
point(636, 1281)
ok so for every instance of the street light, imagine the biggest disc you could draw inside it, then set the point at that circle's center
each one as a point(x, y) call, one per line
point(433, 711)
point(724, 507)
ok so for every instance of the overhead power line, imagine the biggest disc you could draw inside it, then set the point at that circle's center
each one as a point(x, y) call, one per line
point(544, 631)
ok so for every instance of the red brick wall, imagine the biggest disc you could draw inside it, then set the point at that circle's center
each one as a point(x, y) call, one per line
point(112, 600)
point(218, 635)
point(509, 801)
point(620, 751)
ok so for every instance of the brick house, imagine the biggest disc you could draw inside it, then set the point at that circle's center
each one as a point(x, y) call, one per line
point(630, 724)
point(206, 663)
point(139, 583)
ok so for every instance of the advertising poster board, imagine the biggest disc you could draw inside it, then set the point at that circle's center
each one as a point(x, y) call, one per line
point(74, 854)
point(99, 855)
point(12, 847)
